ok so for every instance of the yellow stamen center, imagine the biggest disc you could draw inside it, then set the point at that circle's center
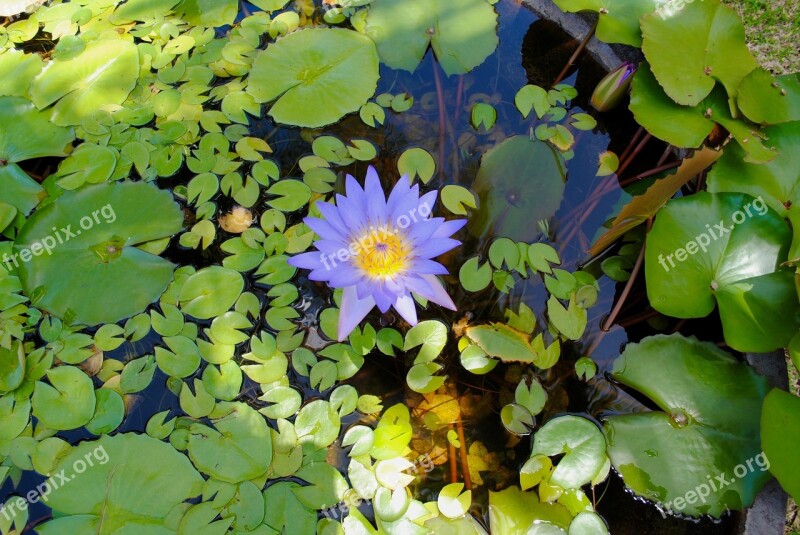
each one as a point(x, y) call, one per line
point(382, 253)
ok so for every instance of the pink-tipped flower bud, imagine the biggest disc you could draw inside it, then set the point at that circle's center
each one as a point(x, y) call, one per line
point(613, 87)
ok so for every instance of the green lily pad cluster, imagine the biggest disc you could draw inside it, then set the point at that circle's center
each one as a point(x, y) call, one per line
point(151, 262)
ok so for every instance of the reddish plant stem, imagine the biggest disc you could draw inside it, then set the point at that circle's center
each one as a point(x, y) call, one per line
point(633, 320)
point(665, 155)
point(624, 165)
point(442, 119)
point(634, 140)
point(651, 172)
point(463, 452)
point(627, 290)
point(678, 326)
point(459, 101)
point(576, 54)
point(452, 460)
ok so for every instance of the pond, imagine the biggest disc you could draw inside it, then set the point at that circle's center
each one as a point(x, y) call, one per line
point(171, 324)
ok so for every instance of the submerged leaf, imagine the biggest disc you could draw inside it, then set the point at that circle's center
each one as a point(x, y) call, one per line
point(520, 182)
point(462, 32)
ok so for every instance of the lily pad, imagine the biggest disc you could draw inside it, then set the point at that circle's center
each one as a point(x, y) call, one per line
point(27, 133)
point(19, 190)
point(91, 270)
point(775, 183)
point(132, 485)
point(618, 19)
point(284, 512)
point(704, 250)
point(520, 181)
point(12, 367)
point(463, 33)
point(708, 425)
point(101, 76)
point(211, 292)
point(581, 441)
point(693, 49)
point(690, 125)
point(315, 76)
point(67, 402)
point(208, 13)
point(236, 449)
point(767, 100)
point(504, 342)
point(780, 432)
point(512, 511)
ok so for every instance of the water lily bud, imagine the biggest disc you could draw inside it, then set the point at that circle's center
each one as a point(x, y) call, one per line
point(237, 221)
point(613, 87)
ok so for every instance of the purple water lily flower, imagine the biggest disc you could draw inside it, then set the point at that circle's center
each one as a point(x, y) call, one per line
point(380, 250)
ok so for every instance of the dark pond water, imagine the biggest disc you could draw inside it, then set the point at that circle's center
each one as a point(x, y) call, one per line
point(530, 51)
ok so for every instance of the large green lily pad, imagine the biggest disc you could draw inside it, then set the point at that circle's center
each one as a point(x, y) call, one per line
point(619, 19)
point(776, 182)
point(708, 426)
point(690, 51)
point(131, 486)
point(90, 269)
point(780, 434)
point(520, 181)
point(463, 33)
point(19, 190)
point(691, 265)
point(768, 100)
point(27, 133)
point(688, 126)
point(101, 76)
point(315, 76)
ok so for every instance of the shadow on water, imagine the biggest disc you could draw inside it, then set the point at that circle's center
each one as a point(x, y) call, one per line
point(530, 51)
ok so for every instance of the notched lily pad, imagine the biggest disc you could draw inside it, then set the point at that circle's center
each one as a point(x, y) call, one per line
point(724, 249)
point(131, 483)
point(708, 425)
point(315, 76)
point(91, 269)
point(462, 32)
point(520, 181)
